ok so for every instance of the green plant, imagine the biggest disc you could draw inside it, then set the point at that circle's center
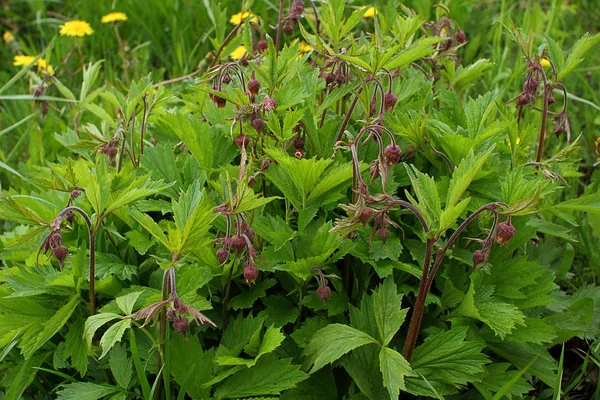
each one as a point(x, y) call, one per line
point(299, 198)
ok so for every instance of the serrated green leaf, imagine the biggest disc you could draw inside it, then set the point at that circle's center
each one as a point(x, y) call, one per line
point(332, 342)
point(75, 347)
point(387, 310)
point(394, 368)
point(85, 391)
point(113, 335)
point(94, 322)
point(579, 50)
point(126, 303)
point(121, 366)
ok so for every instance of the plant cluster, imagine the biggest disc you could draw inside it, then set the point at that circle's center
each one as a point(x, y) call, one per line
point(264, 226)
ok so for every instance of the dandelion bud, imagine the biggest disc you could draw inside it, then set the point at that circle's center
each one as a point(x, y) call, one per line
point(242, 140)
point(478, 258)
point(324, 293)
point(222, 255)
point(504, 232)
point(250, 273)
point(253, 87)
point(460, 36)
point(392, 154)
point(383, 234)
point(389, 101)
point(258, 124)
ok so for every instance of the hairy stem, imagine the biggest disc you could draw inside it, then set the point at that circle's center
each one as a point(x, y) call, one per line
point(540, 149)
point(278, 34)
point(348, 115)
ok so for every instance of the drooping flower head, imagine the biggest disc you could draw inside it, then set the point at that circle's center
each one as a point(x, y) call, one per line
point(76, 28)
point(114, 17)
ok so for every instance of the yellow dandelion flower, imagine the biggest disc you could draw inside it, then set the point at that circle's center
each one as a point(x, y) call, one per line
point(21, 61)
point(370, 13)
point(77, 28)
point(42, 64)
point(518, 140)
point(114, 17)
point(304, 47)
point(237, 18)
point(8, 37)
point(238, 53)
point(545, 63)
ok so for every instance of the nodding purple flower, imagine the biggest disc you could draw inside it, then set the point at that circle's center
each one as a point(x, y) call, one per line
point(53, 243)
point(392, 154)
point(366, 215)
point(389, 101)
point(250, 273)
point(222, 255)
point(177, 311)
point(324, 292)
point(253, 87)
point(479, 257)
point(299, 154)
point(261, 46)
point(504, 232)
point(383, 234)
point(460, 36)
point(242, 140)
point(258, 124)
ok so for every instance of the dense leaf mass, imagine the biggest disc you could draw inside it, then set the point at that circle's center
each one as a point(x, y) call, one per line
point(334, 199)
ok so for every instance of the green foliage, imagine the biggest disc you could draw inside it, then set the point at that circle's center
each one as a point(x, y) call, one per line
point(201, 203)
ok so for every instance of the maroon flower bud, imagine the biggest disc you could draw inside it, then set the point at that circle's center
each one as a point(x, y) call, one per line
point(329, 78)
point(392, 154)
point(324, 293)
point(222, 255)
point(44, 108)
point(181, 325)
point(366, 215)
point(69, 216)
point(551, 100)
point(298, 7)
point(258, 124)
point(226, 79)
point(460, 36)
point(253, 87)
point(269, 103)
point(236, 242)
point(264, 164)
point(299, 154)
point(389, 101)
point(250, 273)
point(75, 194)
point(288, 28)
point(478, 258)
point(504, 232)
point(251, 180)
point(60, 252)
point(55, 239)
point(532, 84)
point(299, 142)
point(219, 101)
point(261, 46)
point(244, 60)
point(171, 314)
point(242, 140)
point(522, 100)
point(383, 234)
